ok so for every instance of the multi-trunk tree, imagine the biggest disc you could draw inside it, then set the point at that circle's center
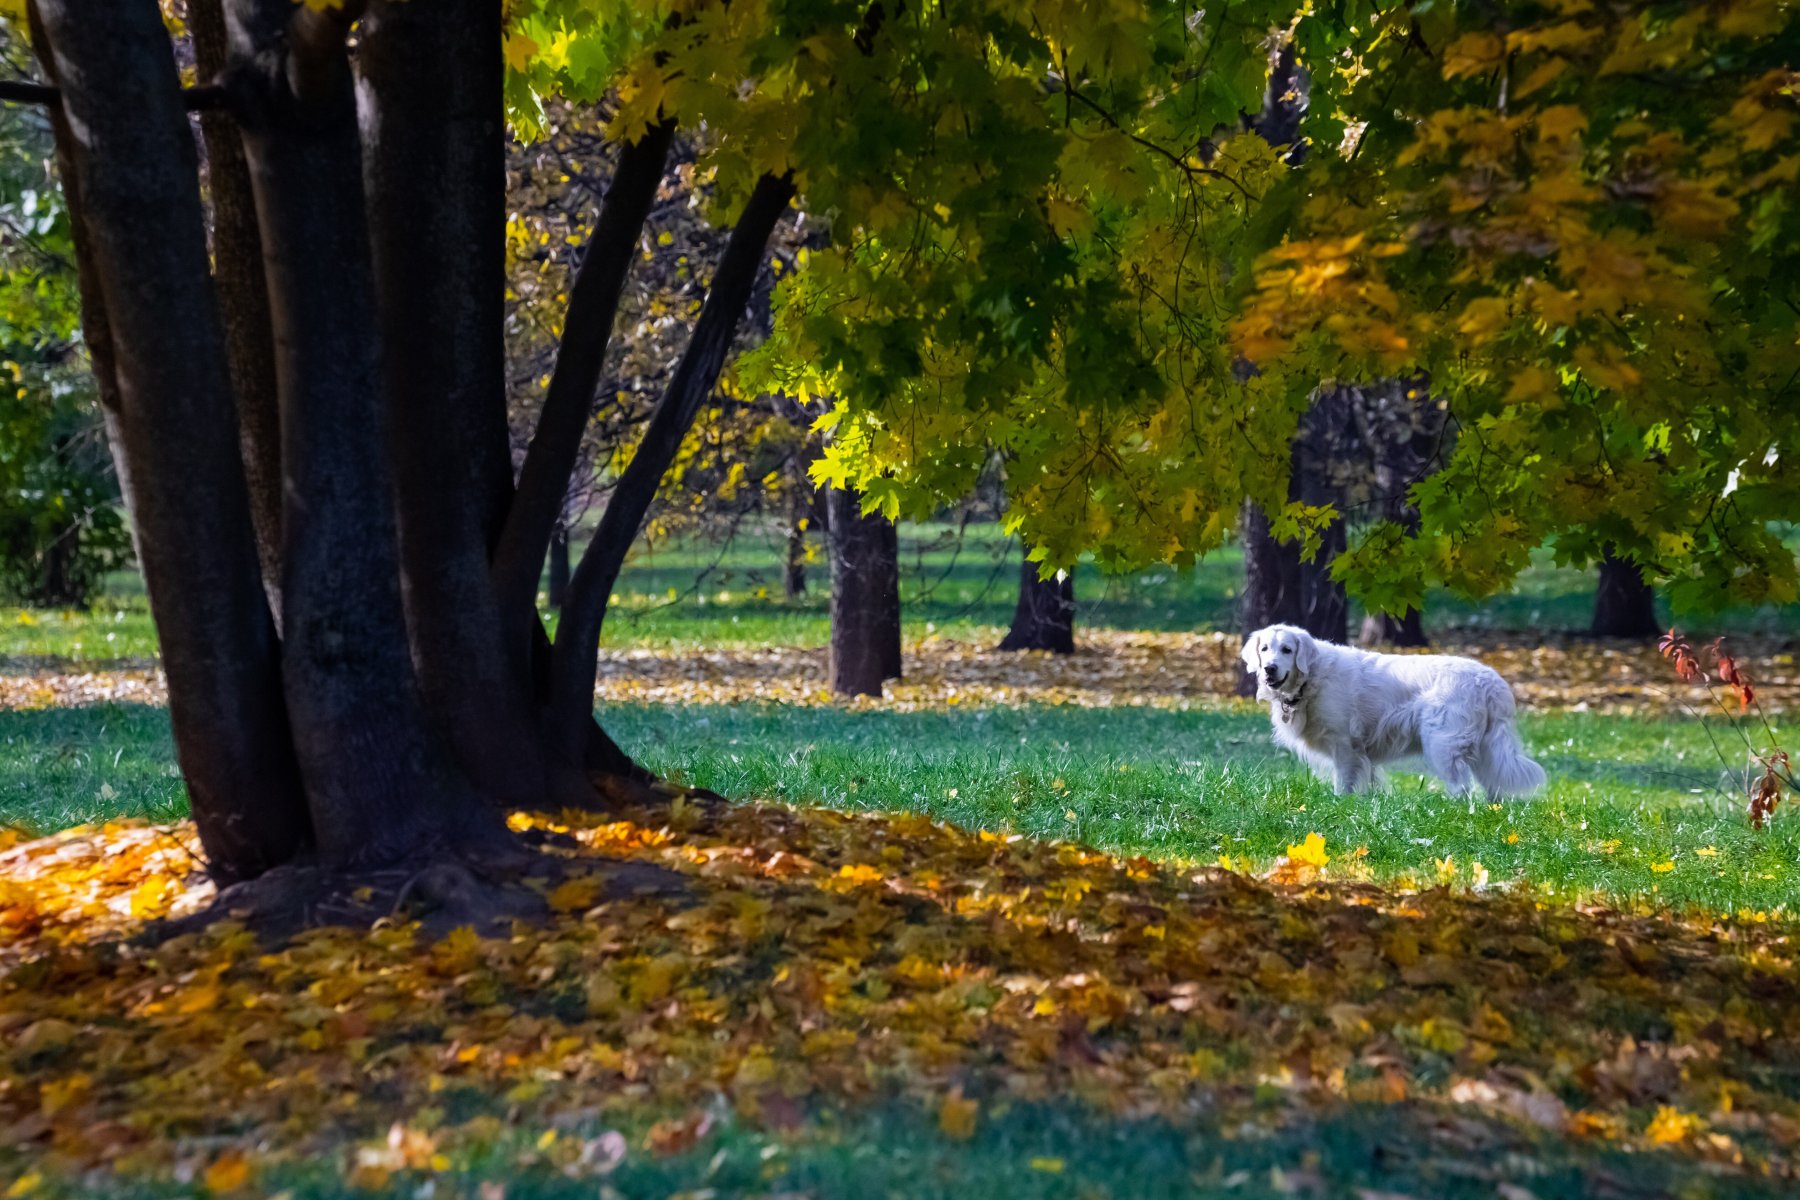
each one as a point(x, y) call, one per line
point(1045, 223)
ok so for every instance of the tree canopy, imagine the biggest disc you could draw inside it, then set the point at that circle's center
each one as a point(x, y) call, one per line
point(1051, 236)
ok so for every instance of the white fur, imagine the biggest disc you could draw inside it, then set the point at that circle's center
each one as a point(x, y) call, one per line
point(1347, 712)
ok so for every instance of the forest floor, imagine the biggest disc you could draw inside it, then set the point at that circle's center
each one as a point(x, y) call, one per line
point(1026, 926)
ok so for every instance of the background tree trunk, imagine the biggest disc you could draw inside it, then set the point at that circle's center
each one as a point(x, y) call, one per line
point(793, 574)
point(1624, 605)
point(1044, 618)
point(865, 597)
point(1386, 629)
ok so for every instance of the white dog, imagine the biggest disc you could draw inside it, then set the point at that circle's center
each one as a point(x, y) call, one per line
point(1346, 712)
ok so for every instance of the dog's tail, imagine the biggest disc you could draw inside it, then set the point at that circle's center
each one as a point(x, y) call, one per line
point(1502, 765)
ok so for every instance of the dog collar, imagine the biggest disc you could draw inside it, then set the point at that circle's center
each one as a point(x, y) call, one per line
point(1290, 703)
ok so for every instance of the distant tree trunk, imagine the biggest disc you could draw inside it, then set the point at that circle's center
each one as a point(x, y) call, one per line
point(1279, 587)
point(1387, 629)
point(1045, 616)
point(559, 566)
point(1624, 605)
point(865, 597)
point(793, 577)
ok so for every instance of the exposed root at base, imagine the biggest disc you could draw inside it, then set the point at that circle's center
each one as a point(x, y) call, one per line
point(442, 892)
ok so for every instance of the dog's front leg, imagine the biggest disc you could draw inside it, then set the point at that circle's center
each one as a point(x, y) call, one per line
point(1349, 771)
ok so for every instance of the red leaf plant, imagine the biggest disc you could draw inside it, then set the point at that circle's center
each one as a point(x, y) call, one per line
point(1766, 789)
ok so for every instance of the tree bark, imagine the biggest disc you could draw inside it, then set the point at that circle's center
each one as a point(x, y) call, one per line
point(1624, 604)
point(1045, 616)
point(141, 241)
point(571, 702)
point(793, 575)
point(1387, 629)
point(559, 566)
point(429, 92)
point(865, 597)
point(243, 301)
point(379, 784)
point(587, 329)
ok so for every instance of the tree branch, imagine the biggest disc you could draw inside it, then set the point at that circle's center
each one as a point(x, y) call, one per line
point(199, 98)
point(584, 611)
point(587, 328)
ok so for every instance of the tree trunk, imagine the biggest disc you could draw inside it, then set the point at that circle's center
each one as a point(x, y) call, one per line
point(865, 597)
point(793, 577)
point(379, 784)
point(1045, 616)
point(141, 241)
point(559, 566)
point(1624, 605)
point(571, 701)
point(429, 89)
point(1386, 629)
point(587, 328)
point(1279, 587)
point(244, 301)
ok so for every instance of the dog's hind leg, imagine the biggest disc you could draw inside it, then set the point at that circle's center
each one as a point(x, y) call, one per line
point(1451, 761)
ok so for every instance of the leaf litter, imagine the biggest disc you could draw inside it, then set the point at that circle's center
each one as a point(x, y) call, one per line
point(1111, 668)
point(823, 960)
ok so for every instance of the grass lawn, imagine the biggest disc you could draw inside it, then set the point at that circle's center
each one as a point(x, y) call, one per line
point(1639, 817)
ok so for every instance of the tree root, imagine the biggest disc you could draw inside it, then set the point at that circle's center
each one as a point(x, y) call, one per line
point(443, 891)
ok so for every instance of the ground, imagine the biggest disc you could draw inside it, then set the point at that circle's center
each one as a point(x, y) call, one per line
point(1025, 927)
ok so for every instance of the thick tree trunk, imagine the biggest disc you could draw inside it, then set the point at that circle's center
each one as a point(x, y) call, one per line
point(430, 95)
point(243, 300)
point(379, 784)
point(1624, 605)
point(129, 177)
point(587, 328)
point(1045, 616)
point(571, 702)
point(865, 597)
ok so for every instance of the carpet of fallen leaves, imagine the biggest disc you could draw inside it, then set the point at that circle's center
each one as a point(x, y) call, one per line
point(1110, 669)
point(824, 959)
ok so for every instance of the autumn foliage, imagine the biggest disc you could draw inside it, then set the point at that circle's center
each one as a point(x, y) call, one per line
point(1772, 772)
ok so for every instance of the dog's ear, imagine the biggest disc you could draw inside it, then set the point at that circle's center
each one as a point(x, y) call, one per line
point(1249, 655)
point(1306, 651)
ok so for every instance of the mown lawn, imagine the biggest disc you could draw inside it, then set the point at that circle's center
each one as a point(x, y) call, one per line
point(1640, 815)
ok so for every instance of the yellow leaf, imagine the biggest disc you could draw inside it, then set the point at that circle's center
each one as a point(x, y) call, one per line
point(575, 895)
point(1050, 1166)
point(956, 1117)
point(518, 51)
point(1672, 1125)
point(1311, 852)
point(228, 1172)
point(1707, 852)
point(1663, 868)
point(24, 1185)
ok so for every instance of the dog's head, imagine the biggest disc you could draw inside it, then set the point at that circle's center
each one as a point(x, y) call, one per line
point(1276, 653)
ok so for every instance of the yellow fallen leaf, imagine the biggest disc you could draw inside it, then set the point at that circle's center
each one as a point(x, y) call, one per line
point(1050, 1166)
point(1707, 852)
point(1310, 853)
point(956, 1117)
point(228, 1172)
point(1663, 868)
point(1671, 1125)
point(575, 895)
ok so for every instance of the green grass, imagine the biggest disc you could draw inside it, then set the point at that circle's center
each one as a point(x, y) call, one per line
point(1626, 794)
point(1050, 1152)
point(696, 593)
